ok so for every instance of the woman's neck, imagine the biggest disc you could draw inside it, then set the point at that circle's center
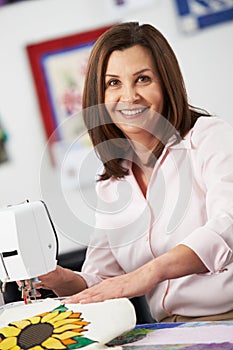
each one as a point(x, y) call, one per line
point(143, 149)
point(142, 175)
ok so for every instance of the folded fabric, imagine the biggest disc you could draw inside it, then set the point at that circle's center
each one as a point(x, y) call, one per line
point(58, 326)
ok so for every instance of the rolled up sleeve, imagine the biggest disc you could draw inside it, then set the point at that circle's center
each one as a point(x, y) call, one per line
point(213, 158)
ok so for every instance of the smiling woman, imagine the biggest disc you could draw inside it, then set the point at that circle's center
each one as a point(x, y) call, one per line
point(133, 95)
point(165, 196)
point(136, 69)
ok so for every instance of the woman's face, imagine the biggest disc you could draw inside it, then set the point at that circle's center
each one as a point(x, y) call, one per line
point(133, 94)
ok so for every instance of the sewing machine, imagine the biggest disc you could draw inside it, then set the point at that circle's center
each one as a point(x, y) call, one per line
point(28, 245)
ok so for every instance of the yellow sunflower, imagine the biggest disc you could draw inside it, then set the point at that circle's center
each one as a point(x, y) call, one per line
point(58, 329)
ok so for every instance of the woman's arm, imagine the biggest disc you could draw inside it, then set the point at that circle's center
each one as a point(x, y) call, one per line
point(178, 262)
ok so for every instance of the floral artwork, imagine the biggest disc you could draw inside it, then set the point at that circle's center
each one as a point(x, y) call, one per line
point(64, 74)
point(58, 329)
point(58, 67)
point(110, 324)
point(48, 324)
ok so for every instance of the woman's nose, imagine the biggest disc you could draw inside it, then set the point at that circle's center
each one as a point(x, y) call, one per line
point(129, 94)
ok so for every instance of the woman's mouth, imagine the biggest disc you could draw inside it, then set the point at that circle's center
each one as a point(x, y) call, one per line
point(132, 113)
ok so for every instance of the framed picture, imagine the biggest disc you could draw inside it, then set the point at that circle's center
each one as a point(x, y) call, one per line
point(200, 14)
point(58, 68)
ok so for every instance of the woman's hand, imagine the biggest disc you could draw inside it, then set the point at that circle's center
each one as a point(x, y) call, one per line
point(133, 284)
point(61, 281)
point(51, 280)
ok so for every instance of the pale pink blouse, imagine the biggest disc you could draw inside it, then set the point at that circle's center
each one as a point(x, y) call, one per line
point(190, 201)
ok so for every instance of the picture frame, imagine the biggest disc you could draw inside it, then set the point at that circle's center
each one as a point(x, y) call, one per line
point(58, 70)
point(197, 15)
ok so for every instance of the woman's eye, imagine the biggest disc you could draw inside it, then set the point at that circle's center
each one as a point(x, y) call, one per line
point(144, 78)
point(112, 82)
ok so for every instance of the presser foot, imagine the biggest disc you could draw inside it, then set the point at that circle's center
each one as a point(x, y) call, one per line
point(28, 292)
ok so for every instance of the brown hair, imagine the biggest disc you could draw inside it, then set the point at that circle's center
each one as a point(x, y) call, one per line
point(176, 110)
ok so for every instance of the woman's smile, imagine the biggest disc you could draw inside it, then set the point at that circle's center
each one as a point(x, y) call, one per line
point(132, 113)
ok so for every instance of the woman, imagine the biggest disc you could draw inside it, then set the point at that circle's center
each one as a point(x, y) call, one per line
point(164, 225)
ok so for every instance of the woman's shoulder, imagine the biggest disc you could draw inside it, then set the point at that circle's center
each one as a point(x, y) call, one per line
point(210, 129)
point(213, 122)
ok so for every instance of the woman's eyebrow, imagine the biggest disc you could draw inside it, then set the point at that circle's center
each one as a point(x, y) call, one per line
point(143, 71)
point(111, 75)
point(136, 73)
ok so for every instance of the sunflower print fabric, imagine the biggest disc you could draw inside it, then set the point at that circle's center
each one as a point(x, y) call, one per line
point(58, 329)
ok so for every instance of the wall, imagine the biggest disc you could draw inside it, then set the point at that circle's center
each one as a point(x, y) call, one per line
point(206, 61)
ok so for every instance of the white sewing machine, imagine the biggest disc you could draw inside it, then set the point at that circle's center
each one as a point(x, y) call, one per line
point(28, 245)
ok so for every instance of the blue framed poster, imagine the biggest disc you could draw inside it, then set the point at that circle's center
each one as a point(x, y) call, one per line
point(200, 14)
